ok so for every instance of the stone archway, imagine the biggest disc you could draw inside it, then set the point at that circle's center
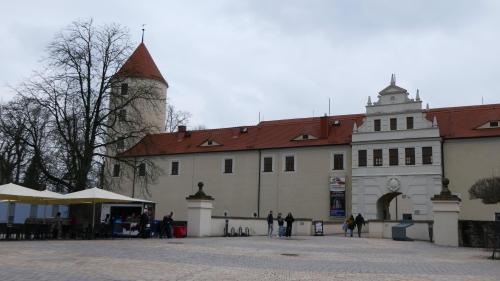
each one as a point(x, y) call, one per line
point(383, 205)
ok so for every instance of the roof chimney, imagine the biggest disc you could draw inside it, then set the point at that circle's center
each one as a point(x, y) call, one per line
point(323, 123)
point(181, 128)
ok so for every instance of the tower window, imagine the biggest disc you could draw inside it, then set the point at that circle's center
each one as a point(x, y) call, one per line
point(124, 89)
point(362, 158)
point(268, 164)
point(120, 144)
point(394, 124)
point(393, 157)
point(122, 115)
point(409, 122)
point(142, 169)
point(427, 155)
point(377, 157)
point(376, 125)
point(116, 170)
point(338, 161)
point(228, 166)
point(410, 156)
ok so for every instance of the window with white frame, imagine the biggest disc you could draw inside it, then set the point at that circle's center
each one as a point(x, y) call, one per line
point(174, 168)
point(289, 163)
point(228, 165)
point(116, 170)
point(338, 161)
point(142, 169)
point(267, 164)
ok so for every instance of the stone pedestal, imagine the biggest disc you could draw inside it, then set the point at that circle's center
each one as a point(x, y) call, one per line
point(199, 220)
point(446, 208)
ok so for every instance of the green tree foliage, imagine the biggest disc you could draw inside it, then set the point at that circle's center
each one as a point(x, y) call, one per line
point(487, 189)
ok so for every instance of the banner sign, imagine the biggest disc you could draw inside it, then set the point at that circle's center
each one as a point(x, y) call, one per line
point(337, 197)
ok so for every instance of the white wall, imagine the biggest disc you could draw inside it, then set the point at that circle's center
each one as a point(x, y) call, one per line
point(383, 229)
point(300, 227)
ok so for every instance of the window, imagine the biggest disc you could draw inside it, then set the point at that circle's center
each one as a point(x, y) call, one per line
point(394, 124)
point(142, 169)
point(338, 161)
point(494, 124)
point(228, 166)
point(120, 144)
point(289, 163)
point(376, 125)
point(116, 170)
point(427, 155)
point(305, 137)
point(377, 157)
point(409, 123)
point(268, 164)
point(124, 90)
point(210, 142)
point(362, 158)
point(122, 115)
point(174, 168)
point(393, 157)
point(33, 210)
point(410, 156)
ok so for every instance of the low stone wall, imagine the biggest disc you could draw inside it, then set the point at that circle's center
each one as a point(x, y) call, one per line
point(335, 227)
point(257, 226)
point(383, 229)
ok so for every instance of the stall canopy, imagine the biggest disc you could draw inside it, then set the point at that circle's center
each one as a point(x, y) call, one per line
point(97, 195)
point(20, 194)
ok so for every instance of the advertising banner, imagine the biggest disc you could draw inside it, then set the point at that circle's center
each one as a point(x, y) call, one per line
point(337, 197)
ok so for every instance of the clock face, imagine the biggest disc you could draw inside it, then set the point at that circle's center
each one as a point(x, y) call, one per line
point(393, 184)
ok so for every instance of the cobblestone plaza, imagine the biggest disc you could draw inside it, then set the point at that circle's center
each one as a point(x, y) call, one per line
point(253, 258)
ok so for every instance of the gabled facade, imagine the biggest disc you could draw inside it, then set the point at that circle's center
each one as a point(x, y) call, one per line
point(396, 151)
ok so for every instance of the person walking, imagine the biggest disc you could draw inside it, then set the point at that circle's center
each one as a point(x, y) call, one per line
point(359, 221)
point(143, 222)
point(350, 224)
point(270, 222)
point(289, 221)
point(345, 226)
point(281, 227)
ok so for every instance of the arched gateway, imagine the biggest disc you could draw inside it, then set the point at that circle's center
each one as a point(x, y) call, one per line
point(396, 157)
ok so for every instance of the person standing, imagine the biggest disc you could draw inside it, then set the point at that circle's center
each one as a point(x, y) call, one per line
point(359, 221)
point(350, 224)
point(270, 222)
point(144, 220)
point(289, 221)
point(281, 227)
point(168, 224)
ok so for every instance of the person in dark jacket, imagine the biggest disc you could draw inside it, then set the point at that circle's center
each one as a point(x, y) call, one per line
point(350, 224)
point(143, 222)
point(270, 222)
point(281, 227)
point(169, 220)
point(359, 221)
point(289, 221)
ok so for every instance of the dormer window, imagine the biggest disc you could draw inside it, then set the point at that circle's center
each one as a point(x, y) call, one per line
point(210, 142)
point(490, 125)
point(305, 137)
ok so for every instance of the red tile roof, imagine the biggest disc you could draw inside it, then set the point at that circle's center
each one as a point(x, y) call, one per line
point(141, 64)
point(453, 122)
point(463, 122)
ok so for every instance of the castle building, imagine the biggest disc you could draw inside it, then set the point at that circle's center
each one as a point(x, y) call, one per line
point(383, 163)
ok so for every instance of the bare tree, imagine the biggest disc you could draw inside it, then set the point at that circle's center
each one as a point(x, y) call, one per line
point(75, 91)
point(488, 190)
point(176, 118)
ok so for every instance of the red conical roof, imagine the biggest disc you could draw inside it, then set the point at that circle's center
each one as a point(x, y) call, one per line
point(141, 64)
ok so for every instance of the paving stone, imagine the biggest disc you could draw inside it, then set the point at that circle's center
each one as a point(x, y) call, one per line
point(250, 258)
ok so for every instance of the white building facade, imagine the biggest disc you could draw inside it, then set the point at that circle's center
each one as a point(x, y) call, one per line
point(396, 153)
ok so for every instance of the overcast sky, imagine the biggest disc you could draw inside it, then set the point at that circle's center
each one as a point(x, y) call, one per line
point(227, 60)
